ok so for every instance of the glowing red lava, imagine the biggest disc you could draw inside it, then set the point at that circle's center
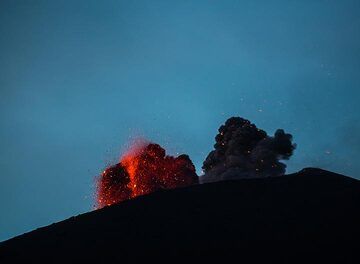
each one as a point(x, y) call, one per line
point(143, 169)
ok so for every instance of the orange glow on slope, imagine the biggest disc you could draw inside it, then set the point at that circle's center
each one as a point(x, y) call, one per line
point(143, 169)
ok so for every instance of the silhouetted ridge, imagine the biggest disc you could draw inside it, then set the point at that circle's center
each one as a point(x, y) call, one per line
point(312, 215)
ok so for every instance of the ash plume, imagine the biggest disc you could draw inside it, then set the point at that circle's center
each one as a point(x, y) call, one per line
point(242, 150)
point(144, 169)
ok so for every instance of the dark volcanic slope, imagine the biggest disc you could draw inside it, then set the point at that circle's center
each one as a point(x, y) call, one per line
point(311, 215)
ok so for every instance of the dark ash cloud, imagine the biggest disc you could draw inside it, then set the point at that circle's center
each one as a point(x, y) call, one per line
point(244, 151)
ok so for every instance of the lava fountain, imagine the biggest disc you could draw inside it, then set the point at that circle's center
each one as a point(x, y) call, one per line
point(143, 169)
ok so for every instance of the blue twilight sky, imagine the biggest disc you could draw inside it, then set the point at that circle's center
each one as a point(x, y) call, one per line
point(79, 79)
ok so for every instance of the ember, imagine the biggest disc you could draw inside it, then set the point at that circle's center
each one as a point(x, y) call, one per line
point(142, 170)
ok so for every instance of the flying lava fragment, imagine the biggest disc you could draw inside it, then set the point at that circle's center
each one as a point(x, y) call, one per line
point(143, 169)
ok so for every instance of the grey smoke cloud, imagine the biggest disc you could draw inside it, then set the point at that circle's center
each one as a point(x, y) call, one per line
point(242, 150)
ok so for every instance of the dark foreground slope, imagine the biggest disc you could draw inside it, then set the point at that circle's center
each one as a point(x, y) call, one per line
point(309, 216)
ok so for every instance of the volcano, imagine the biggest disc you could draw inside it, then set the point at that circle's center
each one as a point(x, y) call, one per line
point(312, 215)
